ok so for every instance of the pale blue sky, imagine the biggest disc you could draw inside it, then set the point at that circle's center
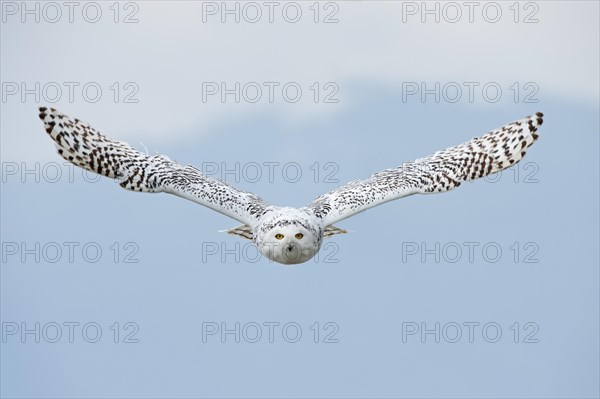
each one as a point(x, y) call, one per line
point(373, 284)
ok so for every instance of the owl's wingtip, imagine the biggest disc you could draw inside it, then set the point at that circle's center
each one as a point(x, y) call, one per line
point(45, 111)
point(42, 113)
point(533, 122)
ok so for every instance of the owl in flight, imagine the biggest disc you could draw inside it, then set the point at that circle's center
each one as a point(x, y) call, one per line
point(283, 234)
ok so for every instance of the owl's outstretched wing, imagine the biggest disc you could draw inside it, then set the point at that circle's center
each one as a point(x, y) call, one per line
point(84, 146)
point(442, 171)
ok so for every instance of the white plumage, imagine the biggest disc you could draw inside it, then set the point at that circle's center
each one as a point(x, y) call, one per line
point(289, 235)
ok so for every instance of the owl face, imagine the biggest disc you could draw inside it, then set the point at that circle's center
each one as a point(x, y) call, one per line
point(289, 242)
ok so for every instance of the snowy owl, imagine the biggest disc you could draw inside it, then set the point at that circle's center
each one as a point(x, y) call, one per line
point(282, 234)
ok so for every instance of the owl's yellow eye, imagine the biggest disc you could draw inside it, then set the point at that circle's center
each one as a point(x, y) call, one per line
point(299, 235)
point(279, 236)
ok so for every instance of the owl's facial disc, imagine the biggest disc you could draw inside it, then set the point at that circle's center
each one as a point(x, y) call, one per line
point(289, 242)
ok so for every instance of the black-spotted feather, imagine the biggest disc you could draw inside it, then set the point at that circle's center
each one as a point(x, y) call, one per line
point(84, 146)
point(442, 171)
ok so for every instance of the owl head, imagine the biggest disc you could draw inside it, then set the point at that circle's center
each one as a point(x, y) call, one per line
point(289, 239)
